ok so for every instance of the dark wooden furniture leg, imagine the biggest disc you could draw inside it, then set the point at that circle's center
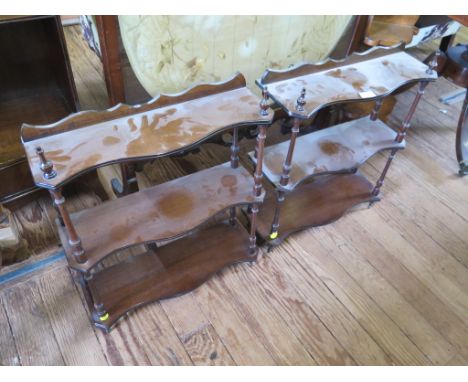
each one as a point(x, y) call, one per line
point(258, 175)
point(234, 164)
point(73, 238)
point(462, 138)
point(285, 178)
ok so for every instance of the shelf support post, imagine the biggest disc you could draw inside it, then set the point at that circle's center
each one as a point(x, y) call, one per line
point(257, 190)
point(405, 125)
point(129, 182)
point(284, 178)
point(73, 238)
point(375, 111)
point(234, 164)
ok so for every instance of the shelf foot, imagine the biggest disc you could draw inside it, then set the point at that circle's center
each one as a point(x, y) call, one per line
point(374, 200)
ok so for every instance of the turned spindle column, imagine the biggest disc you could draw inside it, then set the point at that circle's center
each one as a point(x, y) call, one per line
point(48, 172)
point(257, 190)
point(263, 110)
point(375, 111)
point(73, 238)
point(285, 175)
point(234, 164)
point(400, 137)
point(258, 174)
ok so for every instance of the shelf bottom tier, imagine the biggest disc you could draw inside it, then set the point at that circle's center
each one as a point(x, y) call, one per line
point(171, 270)
point(320, 202)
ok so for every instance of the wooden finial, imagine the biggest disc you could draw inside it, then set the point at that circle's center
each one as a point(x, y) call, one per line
point(264, 102)
point(434, 62)
point(47, 167)
point(301, 101)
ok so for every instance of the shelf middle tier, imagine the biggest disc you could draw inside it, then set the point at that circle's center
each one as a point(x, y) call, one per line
point(161, 212)
point(322, 201)
point(337, 149)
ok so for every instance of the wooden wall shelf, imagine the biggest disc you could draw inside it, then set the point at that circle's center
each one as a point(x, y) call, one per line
point(339, 149)
point(326, 157)
point(175, 210)
point(171, 270)
point(362, 77)
point(165, 211)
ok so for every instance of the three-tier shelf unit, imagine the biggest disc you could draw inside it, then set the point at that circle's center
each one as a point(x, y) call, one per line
point(173, 212)
point(316, 176)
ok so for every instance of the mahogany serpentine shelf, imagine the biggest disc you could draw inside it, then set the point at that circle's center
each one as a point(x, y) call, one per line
point(163, 126)
point(328, 158)
point(164, 211)
point(171, 270)
point(362, 77)
point(322, 201)
point(341, 148)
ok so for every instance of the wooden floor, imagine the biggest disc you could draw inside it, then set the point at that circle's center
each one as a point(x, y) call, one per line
point(385, 285)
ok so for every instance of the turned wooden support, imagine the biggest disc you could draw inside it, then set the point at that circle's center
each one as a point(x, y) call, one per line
point(253, 229)
point(263, 112)
point(400, 136)
point(257, 190)
point(275, 224)
point(407, 121)
point(285, 176)
point(287, 162)
point(258, 174)
point(46, 166)
point(379, 184)
point(234, 164)
point(375, 111)
point(129, 182)
point(235, 148)
point(73, 238)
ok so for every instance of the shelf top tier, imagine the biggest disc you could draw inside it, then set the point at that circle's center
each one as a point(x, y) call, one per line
point(338, 149)
point(362, 77)
point(166, 125)
point(165, 211)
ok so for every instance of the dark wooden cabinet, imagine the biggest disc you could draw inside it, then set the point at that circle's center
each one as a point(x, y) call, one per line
point(36, 86)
